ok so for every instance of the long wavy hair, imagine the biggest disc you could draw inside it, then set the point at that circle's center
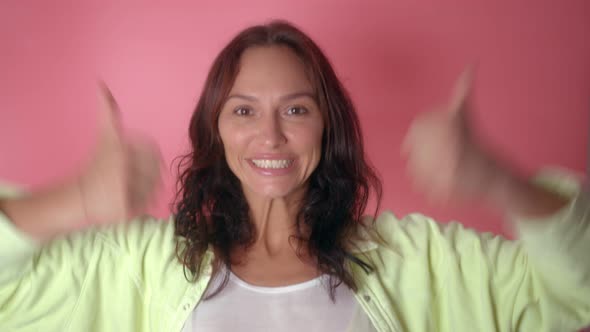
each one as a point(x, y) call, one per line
point(210, 207)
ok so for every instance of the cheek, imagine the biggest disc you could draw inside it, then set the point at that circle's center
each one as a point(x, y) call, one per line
point(235, 141)
point(227, 141)
point(309, 140)
point(315, 138)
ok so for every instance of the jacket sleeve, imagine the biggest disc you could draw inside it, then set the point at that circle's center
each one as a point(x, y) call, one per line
point(446, 277)
point(541, 281)
point(558, 255)
point(15, 247)
point(93, 275)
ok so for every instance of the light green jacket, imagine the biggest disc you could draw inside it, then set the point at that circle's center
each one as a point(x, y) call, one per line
point(428, 277)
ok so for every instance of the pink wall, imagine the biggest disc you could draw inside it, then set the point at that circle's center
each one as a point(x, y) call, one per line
point(397, 58)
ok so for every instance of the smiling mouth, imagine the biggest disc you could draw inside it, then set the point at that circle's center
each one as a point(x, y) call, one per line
point(272, 163)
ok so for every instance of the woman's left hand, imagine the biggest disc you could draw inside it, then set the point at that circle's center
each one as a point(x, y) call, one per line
point(447, 162)
point(444, 159)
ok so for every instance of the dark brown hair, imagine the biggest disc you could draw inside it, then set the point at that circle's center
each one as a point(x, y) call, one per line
point(211, 209)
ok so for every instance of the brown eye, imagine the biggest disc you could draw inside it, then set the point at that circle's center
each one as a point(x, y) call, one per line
point(296, 110)
point(242, 111)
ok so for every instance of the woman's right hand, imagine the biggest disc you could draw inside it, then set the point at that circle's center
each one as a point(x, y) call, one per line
point(117, 182)
point(123, 172)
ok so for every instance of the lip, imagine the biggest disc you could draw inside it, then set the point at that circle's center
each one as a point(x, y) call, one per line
point(271, 156)
point(272, 171)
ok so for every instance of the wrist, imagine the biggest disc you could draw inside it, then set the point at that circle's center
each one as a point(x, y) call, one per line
point(46, 213)
point(79, 190)
point(504, 188)
point(518, 197)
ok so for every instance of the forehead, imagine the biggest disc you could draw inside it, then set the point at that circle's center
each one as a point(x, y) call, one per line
point(271, 69)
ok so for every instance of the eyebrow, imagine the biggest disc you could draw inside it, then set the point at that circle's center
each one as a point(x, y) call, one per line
point(290, 96)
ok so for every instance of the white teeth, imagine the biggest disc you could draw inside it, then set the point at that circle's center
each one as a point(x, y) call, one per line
point(266, 163)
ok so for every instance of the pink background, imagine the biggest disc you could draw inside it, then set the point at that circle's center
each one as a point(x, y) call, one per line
point(397, 58)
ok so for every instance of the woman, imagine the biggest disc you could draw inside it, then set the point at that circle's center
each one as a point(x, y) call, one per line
point(269, 216)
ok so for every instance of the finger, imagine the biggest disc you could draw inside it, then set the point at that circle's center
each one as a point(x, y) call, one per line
point(461, 91)
point(144, 192)
point(409, 141)
point(140, 193)
point(147, 154)
point(109, 114)
point(419, 170)
point(406, 146)
point(145, 174)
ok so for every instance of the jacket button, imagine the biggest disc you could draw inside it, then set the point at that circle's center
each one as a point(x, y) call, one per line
point(366, 298)
point(186, 307)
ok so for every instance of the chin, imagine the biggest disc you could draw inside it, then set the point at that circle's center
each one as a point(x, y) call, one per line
point(275, 192)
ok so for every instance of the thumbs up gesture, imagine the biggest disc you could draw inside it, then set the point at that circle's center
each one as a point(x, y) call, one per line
point(444, 160)
point(123, 172)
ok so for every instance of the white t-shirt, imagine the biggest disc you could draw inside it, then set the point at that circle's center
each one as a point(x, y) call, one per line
point(301, 307)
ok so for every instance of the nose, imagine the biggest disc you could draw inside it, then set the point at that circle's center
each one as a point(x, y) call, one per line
point(271, 131)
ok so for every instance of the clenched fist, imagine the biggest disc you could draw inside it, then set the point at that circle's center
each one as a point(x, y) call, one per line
point(122, 174)
point(444, 159)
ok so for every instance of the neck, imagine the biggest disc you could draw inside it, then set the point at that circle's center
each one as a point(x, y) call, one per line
point(275, 220)
point(276, 258)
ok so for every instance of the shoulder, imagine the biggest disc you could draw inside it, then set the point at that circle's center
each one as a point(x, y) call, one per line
point(412, 232)
point(139, 234)
point(146, 243)
point(145, 247)
point(418, 252)
point(145, 237)
point(419, 239)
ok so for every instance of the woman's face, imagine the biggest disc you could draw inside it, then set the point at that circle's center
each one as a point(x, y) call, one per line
point(270, 124)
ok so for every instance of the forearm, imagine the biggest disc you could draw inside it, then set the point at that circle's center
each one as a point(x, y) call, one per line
point(520, 198)
point(43, 214)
